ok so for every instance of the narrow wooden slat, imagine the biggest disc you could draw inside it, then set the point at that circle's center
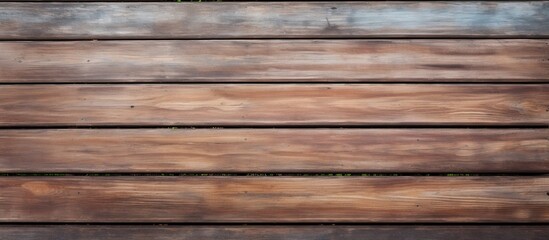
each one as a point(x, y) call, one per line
point(273, 20)
point(274, 199)
point(389, 232)
point(275, 150)
point(276, 60)
point(282, 105)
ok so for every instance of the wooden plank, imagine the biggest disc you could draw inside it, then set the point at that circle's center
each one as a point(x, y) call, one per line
point(274, 199)
point(269, 232)
point(273, 105)
point(275, 150)
point(273, 20)
point(276, 61)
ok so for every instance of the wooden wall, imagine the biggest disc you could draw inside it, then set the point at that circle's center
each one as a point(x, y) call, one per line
point(274, 120)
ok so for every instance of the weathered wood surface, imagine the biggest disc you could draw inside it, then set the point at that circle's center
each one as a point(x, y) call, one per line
point(273, 20)
point(326, 232)
point(269, 105)
point(276, 60)
point(275, 150)
point(476, 42)
point(274, 199)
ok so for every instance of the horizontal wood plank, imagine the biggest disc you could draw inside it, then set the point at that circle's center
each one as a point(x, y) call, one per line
point(275, 150)
point(273, 20)
point(273, 105)
point(269, 232)
point(276, 61)
point(274, 199)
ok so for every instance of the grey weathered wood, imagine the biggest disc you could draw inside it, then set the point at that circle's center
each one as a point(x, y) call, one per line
point(275, 19)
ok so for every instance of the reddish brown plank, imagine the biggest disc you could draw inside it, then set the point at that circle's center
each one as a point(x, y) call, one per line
point(276, 61)
point(325, 232)
point(274, 199)
point(273, 105)
point(275, 150)
point(273, 20)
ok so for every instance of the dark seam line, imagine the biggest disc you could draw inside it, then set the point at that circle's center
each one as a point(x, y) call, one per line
point(244, 224)
point(295, 82)
point(315, 126)
point(250, 1)
point(237, 38)
point(236, 1)
point(272, 174)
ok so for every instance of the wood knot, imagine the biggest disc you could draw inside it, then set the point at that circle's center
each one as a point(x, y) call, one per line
point(40, 188)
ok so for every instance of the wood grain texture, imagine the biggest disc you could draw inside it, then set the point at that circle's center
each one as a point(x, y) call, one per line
point(278, 20)
point(275, 150)
point(269, 232)
point(276, 61)
point(274, 199)
point(273, 105)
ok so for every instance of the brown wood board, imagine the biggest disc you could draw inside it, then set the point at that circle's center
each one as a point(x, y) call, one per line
point(275, 150)
point(274, 199)
point(274, 105)
point(388, 61)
